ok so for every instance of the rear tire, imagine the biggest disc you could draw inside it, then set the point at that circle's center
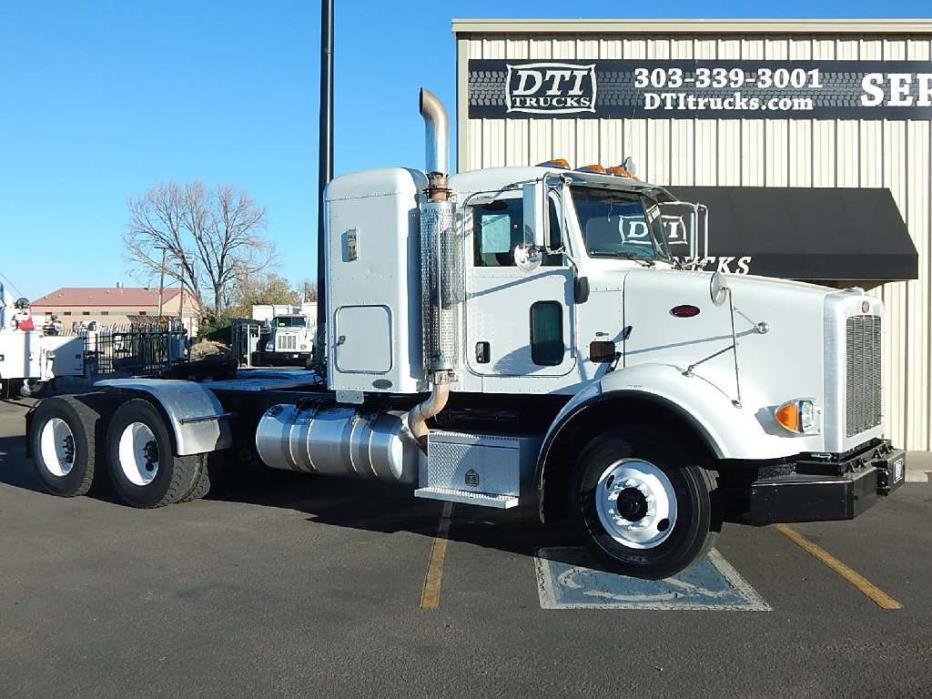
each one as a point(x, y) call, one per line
point(642, 504)
point(66, 439)
point(141, 458)
point(208, 473)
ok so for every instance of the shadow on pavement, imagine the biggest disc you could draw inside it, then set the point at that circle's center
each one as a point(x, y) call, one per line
point(337, 502)
point(382, 508)
point(15, 468)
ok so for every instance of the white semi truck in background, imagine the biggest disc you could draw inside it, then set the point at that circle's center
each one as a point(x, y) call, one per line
point(287, 335)
point(523, 336)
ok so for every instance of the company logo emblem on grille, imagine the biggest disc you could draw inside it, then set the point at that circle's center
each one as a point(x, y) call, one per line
point(862, 373)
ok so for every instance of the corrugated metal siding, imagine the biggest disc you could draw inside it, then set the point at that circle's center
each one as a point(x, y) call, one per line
point(778, 152)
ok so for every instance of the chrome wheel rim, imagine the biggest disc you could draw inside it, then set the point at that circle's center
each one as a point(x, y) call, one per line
point(636, 503)
point(139, 453)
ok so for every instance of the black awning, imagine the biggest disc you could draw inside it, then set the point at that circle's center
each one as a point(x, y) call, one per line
point(814, 234)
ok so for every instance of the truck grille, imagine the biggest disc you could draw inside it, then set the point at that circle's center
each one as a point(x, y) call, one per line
point(287, 342)
point(862, 373)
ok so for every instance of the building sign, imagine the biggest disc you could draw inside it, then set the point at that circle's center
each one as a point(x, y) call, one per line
point(713, 89)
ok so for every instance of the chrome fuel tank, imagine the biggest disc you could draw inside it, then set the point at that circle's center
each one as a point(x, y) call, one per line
point(337, 441)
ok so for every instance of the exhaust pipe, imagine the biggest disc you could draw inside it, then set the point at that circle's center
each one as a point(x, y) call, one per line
point(436, 227)
point(422, 412)
point(437, 142)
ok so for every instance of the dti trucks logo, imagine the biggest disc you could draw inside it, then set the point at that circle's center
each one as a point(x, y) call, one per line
point(550, 88)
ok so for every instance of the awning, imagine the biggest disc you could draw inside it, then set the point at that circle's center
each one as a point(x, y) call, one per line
point(812, 234)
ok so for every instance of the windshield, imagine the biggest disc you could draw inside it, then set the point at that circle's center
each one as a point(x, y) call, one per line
point(290, 322)
point(620, 224)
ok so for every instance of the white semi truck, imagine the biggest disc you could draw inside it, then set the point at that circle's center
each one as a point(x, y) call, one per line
point(523, 336)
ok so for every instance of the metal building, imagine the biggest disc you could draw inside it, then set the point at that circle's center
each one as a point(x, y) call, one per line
point(861, 121)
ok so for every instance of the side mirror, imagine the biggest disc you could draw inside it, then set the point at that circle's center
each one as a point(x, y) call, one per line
point(536, 218)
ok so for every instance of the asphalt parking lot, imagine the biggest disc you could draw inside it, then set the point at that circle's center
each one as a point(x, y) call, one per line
point(279, 585)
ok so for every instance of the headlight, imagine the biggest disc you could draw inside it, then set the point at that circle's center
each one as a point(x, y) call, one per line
point(269, 346)
point(799, 417)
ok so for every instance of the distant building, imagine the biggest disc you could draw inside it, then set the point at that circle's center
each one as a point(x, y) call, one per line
point(117, 306)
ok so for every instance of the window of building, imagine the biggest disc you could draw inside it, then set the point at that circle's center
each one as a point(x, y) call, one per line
point(105, 313)
point(499, 226)
point(142, 313)
point(85, 313)
point(547, 333)
point(66, 313)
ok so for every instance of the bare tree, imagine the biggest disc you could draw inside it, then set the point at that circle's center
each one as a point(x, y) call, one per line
point(211, 238)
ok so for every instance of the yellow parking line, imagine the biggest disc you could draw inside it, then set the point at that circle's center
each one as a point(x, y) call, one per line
point(430, 595)
point(878, 596)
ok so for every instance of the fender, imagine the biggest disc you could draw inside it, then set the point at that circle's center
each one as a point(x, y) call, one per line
point(730, 432)
point(194, 414)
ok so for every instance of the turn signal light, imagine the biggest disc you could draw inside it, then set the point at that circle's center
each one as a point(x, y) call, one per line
point(555, 162)
point(798, 416)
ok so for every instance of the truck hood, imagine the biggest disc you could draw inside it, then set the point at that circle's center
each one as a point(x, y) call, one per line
point(790, 336)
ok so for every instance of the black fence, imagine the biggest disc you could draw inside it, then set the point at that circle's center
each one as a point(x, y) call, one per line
point(134, 352)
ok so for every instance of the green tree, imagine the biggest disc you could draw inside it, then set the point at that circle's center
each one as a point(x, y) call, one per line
point(256, 289)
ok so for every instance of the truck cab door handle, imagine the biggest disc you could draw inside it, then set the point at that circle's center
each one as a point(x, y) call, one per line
point(483, 351)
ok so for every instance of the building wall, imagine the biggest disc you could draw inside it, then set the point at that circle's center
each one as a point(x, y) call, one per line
point(746, 152)
point(120, 315)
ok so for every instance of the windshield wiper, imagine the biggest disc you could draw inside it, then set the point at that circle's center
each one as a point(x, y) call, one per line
point(646, 261)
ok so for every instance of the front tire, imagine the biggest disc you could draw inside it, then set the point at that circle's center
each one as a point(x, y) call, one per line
point(141, 459)
point(643, 505)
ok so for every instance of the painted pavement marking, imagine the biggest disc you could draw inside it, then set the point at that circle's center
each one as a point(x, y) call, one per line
point(878, 596)
point(565, 581)
point(430, 594)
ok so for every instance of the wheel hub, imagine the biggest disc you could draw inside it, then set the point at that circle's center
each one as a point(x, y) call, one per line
point(632, 505)
point(151, 453)
point(636, 503)
point(138, 453)
point(68, 449)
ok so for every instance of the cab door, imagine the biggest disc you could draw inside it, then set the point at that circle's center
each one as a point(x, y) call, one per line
point(518, 323)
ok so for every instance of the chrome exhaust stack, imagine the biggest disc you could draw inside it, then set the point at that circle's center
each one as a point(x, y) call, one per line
point(437, 142)
point(441, 269)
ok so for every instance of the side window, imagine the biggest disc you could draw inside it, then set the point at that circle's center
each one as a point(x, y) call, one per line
point(547, 333)
point(499, 226)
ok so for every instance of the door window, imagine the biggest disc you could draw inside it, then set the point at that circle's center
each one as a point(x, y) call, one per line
point(499, 226)
point(547, 333)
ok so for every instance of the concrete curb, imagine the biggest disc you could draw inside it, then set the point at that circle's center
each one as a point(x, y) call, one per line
point(918, 467)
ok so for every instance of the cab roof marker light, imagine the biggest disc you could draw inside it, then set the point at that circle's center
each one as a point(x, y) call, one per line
point(619, 171)
point(595, 168)
point(555, 162)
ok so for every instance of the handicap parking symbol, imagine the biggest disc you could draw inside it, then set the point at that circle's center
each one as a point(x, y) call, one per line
point(566, 579)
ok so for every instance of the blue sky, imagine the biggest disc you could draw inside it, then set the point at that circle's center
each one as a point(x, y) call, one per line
point(100, 100)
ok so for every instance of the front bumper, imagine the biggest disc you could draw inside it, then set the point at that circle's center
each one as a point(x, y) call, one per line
point(827, 487)
point(281, 358)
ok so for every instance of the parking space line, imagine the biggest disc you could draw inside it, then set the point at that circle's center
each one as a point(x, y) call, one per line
point(430, 594)
point(878, 596)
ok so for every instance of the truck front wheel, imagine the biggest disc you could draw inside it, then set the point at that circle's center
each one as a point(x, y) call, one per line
point(642, 504)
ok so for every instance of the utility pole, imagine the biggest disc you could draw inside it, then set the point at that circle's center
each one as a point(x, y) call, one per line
point(161, 284)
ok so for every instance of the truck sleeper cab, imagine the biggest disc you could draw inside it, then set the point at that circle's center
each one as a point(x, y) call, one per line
point(517, 336)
